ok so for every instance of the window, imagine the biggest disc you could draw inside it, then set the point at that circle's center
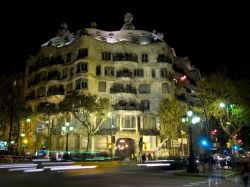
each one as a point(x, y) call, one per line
point(102, 87)
point(149, 122)
point(98, 70)
point(43, 76)
point(41, 92)
point(165, 87)
point(153, 73)
point(109, 71)
point(68, 57)
point(82, 53)
point(138, 73)
point(164, 72)
point(106, 56)
point(128, 122)
point(144, 89)
point(82, 67)
point(71, 71)
point(81, 84)
point(84, 83)
point(64, 73)
point(144, 57)
point(162, 58)
point(78, 84)
point(145, 105)
point(69, 88)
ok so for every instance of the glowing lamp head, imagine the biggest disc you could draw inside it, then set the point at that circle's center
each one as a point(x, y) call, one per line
point(222, 105)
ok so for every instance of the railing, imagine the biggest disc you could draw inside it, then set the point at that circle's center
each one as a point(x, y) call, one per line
point(123, 89)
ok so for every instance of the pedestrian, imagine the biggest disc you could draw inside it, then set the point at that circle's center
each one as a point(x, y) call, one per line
point(244, 172)
point(140, 157)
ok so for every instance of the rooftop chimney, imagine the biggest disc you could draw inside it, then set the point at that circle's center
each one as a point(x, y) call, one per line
point(93, 25)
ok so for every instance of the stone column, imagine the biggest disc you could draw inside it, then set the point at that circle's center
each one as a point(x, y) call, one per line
point(141, 121)
point(136, 125)
point(137, 138)
point(120, 118)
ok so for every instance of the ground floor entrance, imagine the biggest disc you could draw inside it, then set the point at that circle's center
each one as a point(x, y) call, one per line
point(124, 148)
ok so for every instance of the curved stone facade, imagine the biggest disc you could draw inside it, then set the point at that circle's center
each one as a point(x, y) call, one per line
point(133, 68)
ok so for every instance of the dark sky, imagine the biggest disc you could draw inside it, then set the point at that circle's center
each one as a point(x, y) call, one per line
point(210, 34)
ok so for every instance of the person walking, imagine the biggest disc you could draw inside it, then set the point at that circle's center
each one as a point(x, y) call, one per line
point(244, 168)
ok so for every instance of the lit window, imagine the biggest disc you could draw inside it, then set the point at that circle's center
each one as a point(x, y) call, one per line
point(144, 57)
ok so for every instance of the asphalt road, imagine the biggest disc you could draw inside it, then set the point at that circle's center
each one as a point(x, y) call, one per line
point(118, 177)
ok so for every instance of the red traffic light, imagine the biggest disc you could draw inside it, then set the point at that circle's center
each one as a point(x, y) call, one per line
point(214, 132)
point(183, 78)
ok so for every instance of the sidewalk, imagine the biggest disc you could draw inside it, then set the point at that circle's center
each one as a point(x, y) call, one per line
point(222, 175)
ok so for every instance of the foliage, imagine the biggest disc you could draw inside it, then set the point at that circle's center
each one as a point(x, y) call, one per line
point(218, 88)
point(47, 108)
point(12, 104)
point(81, 106)
point(170, 113)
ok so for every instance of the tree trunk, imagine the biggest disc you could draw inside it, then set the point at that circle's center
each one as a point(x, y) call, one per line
point(10, 133)
point(18, 138)
point(89, 143)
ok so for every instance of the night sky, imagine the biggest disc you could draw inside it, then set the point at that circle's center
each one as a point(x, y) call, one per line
point(210, 34)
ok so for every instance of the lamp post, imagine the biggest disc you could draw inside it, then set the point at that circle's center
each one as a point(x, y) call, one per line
point(67, 129)
point(207, 127)
point(190, 119)
point(182, 143)
point(49, 126)
point(22, 135)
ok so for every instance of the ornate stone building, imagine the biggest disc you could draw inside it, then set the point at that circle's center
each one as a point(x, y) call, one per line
point(134, 68)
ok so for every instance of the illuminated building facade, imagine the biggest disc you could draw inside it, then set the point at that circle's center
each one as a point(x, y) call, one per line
point(134, 68)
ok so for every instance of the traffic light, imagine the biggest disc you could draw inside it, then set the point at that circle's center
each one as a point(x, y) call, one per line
point(214, 132)
point(236, 147)
point(183, 78)
point(180, 80)
point(204, 143)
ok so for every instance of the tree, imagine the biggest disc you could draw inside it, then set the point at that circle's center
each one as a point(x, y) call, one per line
point(217, 88)
point(82, 106)
point(13, 107)
point(170, 113)
point(47, 112)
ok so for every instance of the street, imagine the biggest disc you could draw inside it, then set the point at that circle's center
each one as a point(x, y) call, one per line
point(118, 177)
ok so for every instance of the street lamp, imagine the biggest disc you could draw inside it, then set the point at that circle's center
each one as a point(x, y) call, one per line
point(49, 127)
point(67, 129)
point(207, 127)
point(191, 120)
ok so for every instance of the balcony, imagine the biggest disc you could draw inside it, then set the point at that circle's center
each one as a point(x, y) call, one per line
point(53, 90)
point(124, 73)
point(119, 88)
point(123, 105)
point(149, 132)
point(125, 57)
